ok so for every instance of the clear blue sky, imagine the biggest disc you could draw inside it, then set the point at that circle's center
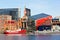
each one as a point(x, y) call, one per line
point(51, 7)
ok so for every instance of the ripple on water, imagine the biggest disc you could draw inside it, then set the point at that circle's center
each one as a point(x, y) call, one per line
point(30, 37)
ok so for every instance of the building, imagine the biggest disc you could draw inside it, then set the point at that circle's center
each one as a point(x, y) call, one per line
point(27, 12)
point(56, 20)
point(25, 18)
point(56, 24)
point(42, 21)
point(14, 12)
point(19, 23)
point(4, 19)
point(11, 25)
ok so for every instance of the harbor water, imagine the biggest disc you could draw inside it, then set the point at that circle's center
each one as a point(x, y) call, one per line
point(29, 37)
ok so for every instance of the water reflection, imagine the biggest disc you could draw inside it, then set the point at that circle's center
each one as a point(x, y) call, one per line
point(43, 37)
point(29, 37)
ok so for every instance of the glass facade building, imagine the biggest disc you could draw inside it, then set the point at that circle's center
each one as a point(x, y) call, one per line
point(14, 12)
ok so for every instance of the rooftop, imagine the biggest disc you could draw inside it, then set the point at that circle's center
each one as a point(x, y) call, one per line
point(38, 16)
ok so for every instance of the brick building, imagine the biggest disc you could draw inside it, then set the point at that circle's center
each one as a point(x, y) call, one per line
point(11, 25)
point(4, 19)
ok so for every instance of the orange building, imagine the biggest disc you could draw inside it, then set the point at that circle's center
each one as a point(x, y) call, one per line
point(3, 19)
point(19, 22)
point(11, 25)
